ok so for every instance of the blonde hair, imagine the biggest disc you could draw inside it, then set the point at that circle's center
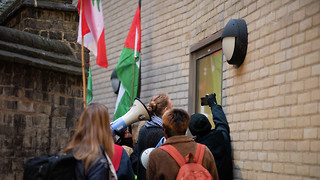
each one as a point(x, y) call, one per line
point(93, 131)
point(175, 122)
point(158, 103)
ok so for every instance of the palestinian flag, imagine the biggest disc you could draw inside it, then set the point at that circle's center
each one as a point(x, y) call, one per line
point(128, 68)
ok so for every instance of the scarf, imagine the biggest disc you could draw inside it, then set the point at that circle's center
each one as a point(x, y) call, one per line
point(156, 121)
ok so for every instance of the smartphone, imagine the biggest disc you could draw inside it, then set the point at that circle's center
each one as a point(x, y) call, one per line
point(204, 101)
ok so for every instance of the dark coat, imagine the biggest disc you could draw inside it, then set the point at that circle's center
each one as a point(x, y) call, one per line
point(162, 166)
point(148, 137)
point(218, 141)
point(125, 171)
point(96, 171)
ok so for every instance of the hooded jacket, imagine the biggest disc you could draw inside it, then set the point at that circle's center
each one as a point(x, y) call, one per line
point(217, 140)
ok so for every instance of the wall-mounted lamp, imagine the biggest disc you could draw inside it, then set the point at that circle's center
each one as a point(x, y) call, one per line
point(115, 82)
point(235, 41)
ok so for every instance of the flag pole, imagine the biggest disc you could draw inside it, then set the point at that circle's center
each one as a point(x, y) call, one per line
point(83, 75)
point(134, 61)
point(139, 80)
point(83, 70)
point(134, 68)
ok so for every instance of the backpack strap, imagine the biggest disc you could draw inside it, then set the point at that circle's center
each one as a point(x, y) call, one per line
point(198, 157)
point(199, 153)
point(117, 156)
point(174, 153)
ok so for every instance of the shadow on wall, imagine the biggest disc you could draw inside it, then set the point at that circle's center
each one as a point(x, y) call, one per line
point(237, 174)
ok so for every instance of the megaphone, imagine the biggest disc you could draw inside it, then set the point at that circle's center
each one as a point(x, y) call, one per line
point(145, 157)
point(137, 112)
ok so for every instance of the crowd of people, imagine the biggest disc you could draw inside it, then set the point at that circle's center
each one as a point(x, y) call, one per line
point(100, 157)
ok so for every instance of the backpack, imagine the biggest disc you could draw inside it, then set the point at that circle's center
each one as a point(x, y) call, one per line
point(189, 170)
point(50, 167)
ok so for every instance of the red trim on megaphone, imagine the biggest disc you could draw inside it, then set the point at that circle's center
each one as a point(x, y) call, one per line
point(145, 108)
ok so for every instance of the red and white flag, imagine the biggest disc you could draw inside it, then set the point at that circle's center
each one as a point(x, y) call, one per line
point(91, 28)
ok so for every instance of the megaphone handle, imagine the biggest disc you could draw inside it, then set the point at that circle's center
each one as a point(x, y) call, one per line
point(160, 142)
point(119, 125)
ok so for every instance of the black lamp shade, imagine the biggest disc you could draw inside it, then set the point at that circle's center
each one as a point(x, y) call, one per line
point(237, 28)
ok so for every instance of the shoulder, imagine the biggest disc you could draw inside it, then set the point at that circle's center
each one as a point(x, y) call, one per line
point(151, 132)
point(157, 153)
point(207, 150)
point(101, 162)
point(211, 137)
point(155, 128)
point(208, 158)
point(144, 129)
point(79, 170)
point(99, 168)
point(159, 158)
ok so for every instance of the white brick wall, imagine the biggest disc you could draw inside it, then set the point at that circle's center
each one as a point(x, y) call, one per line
point(272, 101)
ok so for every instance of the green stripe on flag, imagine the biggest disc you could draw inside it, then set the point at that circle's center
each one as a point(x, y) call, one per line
point(89, 90)
point(125, 69)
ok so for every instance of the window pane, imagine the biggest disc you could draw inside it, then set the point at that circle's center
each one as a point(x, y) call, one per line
point(209, 76)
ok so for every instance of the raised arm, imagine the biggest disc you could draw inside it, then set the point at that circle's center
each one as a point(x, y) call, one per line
point(218, 116)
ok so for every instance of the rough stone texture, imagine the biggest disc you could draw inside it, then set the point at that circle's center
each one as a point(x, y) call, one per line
point(55, 19)
point(26, 48)
point(38, 113)
point(40, 82)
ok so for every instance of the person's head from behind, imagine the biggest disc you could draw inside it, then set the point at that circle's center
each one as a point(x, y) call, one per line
point(199, 125)
point(93, 131)
point(175, 122)
point(159, 104)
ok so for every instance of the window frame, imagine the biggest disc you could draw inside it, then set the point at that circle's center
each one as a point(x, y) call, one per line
point(197, 51)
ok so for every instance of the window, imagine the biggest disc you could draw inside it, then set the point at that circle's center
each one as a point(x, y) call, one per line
point(205, 73)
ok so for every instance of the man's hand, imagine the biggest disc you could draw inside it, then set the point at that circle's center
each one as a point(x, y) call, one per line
point(211, 99)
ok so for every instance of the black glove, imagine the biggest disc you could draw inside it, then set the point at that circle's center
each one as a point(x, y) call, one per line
point(211, 99)
point(120, 134)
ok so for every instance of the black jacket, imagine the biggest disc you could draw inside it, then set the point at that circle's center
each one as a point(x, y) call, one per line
point(98, 170)
point(218, 141)
point(148, 137)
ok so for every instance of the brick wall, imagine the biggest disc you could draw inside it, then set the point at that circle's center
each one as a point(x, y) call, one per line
point(272, 101)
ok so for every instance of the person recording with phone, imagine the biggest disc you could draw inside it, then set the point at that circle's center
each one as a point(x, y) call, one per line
point(217, 140)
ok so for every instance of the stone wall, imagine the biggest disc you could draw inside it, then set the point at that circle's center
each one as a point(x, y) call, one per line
point(40, 81)
point(38, 111)
point(55, 19)
point(272, 101)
